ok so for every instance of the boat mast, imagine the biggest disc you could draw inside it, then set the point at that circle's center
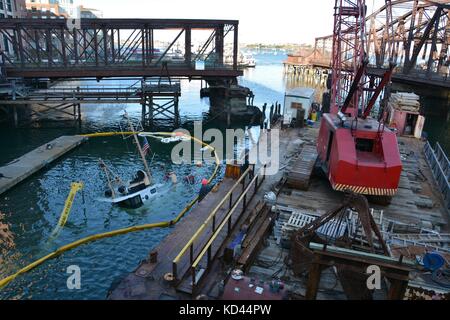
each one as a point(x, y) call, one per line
point(139, 148)
point(105, 170)
point(108, 174)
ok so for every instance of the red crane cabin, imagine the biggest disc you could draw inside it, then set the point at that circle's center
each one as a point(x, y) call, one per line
point(359, 155)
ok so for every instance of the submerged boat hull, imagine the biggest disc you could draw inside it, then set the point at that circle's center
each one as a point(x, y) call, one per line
point(136, 199)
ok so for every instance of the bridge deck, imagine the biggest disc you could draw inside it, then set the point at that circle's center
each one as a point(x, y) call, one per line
point(415, 77)
point(118, 48)
point(104, 72)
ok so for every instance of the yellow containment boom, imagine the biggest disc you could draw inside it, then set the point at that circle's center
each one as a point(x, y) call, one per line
point(74, 188)
point(113, 233)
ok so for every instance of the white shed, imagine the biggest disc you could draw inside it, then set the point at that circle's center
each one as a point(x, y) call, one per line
point(296, 98)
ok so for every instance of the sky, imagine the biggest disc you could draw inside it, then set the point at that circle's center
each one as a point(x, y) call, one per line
point(260, 21)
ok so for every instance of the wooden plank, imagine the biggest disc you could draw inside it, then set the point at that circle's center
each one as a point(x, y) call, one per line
point(255, 238)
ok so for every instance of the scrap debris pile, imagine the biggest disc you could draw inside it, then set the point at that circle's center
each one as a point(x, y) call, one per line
point(354, 231)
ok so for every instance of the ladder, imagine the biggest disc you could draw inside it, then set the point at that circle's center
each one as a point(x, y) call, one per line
point(436, 242)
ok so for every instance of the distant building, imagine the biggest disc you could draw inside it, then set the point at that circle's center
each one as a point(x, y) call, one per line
point(51, 8)
point(10, 9)
point(307, 57)
point(90, 13)
point(46, 9)
point(60, 9)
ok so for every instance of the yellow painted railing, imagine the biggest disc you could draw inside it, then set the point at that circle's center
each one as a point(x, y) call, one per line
point(226, 221)
point(203, 228)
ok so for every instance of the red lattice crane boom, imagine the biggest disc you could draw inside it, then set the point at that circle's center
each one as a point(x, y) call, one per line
point(356, 151)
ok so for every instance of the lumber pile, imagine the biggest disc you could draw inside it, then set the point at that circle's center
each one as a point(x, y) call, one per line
point(404, 101)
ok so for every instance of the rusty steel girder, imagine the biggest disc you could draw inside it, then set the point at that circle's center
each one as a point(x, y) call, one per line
point(413, 34)
point(116, 47)
point(300, 256)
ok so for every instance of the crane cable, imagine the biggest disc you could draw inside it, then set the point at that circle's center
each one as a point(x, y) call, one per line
point(113, 233)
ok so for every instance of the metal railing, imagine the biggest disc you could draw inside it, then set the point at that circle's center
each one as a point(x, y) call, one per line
point(212, 224)
point(227, 220)
point(117, 92)
point(440, 167)
point(203, 228)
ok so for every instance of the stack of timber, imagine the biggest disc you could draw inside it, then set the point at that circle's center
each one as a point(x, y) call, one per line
point(404, 101)
point(256, 226)
point(301, 168)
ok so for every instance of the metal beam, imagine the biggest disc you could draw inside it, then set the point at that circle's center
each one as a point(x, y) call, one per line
point(118, 23)
point(425, 36)
point(96, 49)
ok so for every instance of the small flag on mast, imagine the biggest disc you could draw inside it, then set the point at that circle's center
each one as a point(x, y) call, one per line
point(145, 147)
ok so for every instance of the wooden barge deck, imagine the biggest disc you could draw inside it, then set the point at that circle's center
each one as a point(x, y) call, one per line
point(152, 279)
point(417, 205)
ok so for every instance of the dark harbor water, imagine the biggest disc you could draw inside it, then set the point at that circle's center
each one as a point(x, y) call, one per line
point(32, 209)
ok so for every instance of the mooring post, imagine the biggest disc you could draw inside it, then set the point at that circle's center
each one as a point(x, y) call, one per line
point(177, 113)
point(263, 116)
point(16, 118)
point(150, 111)
point(228, 115)
point(78, 106)
point(79, 113)
point(143, 112)
point(271, 114)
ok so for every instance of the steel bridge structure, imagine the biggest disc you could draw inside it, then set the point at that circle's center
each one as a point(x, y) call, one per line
point(65, 48)
point(158, 52)
point(413, 34)
point(158, 99)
